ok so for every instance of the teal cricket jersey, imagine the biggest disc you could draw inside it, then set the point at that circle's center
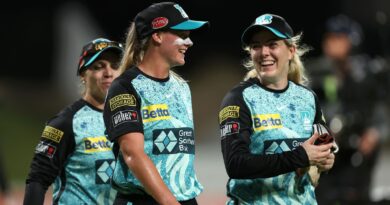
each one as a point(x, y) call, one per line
point(161, 109)
point(262, 130)
point(75, 155)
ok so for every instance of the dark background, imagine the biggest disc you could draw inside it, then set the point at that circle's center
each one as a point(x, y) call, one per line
point(28, 27)
point(40, 43)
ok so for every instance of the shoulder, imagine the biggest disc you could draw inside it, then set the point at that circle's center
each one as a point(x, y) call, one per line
point(126, 77)
point(62, 122)
point(302, 88)
point(234, 95)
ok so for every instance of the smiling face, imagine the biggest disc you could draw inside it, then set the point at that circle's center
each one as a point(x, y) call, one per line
point(270, 56)
point(99, 76)
point(174, 45)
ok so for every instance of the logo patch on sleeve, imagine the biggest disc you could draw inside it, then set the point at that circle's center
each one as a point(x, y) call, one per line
point(122, 100)
point(52, 134)
point(124, 116)
point(46, 149)
point(229, 129)
point(229, 112)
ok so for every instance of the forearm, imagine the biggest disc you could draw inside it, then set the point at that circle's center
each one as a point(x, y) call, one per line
point(34, 194)
point(249, 166)
point(146, 172)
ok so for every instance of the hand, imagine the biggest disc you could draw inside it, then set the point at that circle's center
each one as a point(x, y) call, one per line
point(327, 164)
point(325, 136)
point(317, 153)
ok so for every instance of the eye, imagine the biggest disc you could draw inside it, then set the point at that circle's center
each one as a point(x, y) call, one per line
point(273, 44)
point(115, 66)
point(181, 34)
point(98, 66)
point(255, 45)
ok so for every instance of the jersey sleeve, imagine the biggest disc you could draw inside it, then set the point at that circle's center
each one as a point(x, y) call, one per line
point(53, 149)
point(122, 110)
point(236, 128)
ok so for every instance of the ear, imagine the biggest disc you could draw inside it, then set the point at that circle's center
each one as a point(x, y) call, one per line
point(292, 52)
point(157, 37)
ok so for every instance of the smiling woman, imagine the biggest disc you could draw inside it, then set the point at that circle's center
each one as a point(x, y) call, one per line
point(266, 122)
point(156, 145)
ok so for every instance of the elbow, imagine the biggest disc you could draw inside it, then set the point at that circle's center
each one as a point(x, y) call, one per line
point(233, 171)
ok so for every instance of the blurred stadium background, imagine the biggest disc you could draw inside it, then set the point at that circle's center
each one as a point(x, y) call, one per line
point(41, 43)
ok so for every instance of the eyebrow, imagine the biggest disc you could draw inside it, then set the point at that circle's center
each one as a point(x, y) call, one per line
point(269, 40)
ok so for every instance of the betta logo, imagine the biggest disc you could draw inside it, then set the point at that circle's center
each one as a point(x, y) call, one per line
point(159, 22)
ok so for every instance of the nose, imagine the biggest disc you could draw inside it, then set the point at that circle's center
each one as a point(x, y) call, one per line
point(108, 70)
point(188, 42)
point(264, 50)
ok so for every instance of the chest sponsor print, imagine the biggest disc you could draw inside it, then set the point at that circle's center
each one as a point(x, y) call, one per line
point(155, 112)
point(172, 141)
point(282, 145)
point(104, 169)
point(96, 144)
point(267, 122)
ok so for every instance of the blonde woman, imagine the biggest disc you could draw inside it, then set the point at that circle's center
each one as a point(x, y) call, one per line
point(149, 112)
point(267, 122)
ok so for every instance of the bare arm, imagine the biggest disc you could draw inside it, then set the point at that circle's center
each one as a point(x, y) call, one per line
point(132, 148)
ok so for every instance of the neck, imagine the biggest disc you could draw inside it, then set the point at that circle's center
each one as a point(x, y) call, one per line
point(274, 85)
point(93, 101)
point(154, 65)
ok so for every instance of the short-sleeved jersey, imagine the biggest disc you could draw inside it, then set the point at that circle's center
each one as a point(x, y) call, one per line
point(74, 153)
point(161, 109)
point(257, 121)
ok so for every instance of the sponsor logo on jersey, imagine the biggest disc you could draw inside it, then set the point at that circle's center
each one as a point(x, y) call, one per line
point(267, 122)
point(104, 169)
point(172, 141)
point(155, 112)
point(45, 149)
point(281, 145)
point(230, 128)
point(124, 116)
point(122, 100)
point(305, 119)
point(52, 134)
point(229, 112)
point(96, 144)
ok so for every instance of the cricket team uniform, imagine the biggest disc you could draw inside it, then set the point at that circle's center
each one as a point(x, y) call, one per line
point(161, 110)
point(261, 133)
point(75, 155)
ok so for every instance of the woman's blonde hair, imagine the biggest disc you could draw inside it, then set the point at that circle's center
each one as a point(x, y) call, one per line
point(296, 72)
point(135, 49)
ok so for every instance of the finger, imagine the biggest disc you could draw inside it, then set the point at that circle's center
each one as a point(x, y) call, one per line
point(324, 147)
point(313, 138)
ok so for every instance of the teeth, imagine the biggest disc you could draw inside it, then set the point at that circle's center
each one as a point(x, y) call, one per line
point(268, 62)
